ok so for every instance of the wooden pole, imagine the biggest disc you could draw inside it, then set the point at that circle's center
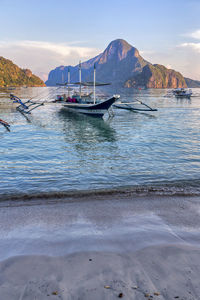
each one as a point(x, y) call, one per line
point(80, 78)
point(68, 80)
point(94, 84)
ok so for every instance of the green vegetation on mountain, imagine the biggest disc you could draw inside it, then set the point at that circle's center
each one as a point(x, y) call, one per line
point(157, 76)
point(12, 75)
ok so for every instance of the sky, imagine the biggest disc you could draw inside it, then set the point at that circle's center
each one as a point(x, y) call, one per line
point(44, 34)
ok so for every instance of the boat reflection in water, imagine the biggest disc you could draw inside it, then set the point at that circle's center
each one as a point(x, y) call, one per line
point(86, 130)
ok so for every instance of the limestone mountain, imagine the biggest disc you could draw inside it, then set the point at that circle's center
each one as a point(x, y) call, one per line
point(121, 64)
point(116, 64)
point(12, 75)
point(157, 76)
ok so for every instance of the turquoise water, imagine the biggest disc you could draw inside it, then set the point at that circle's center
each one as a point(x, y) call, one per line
point(56, 151)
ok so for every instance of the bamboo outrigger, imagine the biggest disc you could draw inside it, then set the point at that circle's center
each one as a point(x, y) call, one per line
point(25, 107)
point(5, 124)
point(130, 106)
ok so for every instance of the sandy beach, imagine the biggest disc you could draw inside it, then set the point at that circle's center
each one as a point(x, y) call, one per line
point(100, 247)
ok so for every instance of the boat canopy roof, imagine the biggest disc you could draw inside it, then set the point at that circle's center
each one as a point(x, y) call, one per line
point(91, 83)
point(64, 84)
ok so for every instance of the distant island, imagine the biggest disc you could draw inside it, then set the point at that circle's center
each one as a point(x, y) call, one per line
point(12, 75)
point(121, 64)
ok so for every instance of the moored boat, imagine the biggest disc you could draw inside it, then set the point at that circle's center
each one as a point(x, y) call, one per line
point(83, 103)
point(182, 93)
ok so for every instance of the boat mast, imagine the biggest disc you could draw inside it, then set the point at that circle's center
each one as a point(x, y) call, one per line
point(68, 80)
point(94, 83)
point(80, 78)
point(62, 77)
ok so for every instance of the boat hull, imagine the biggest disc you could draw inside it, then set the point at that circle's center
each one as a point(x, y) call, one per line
point(183, 96)
point(95, 110)
point(182, 93)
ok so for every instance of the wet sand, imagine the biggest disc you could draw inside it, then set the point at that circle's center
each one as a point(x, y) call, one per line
point(100, 247)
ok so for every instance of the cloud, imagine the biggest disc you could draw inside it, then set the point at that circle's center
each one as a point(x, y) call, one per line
point(147, 52)
point(195, 34)
point(169, 66)
point(41, 57)
point(61, 49)
point(192, 46)
point(189, 55)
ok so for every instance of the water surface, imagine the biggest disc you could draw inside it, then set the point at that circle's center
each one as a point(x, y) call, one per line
point(56, 151)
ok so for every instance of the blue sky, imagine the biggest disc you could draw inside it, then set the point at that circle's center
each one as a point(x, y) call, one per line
point(42, 35)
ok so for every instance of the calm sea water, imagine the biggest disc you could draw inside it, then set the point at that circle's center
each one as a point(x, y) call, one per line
point(57, 152)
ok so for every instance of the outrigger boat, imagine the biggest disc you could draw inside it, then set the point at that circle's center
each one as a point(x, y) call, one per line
point(182, 93)
point(83, 104)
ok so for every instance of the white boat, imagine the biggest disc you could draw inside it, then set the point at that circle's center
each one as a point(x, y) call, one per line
point(84, 104)
point(182, 93)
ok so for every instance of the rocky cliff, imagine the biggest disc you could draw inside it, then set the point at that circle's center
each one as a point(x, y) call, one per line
point(12, 75)
point(116, 64)
point(157, 76)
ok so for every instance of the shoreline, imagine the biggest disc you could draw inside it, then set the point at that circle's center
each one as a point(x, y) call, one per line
point(182, 188)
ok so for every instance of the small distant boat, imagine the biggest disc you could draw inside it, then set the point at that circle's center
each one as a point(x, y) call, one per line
point(83, 103)
point(11, 88)
point(182, 93)
point(7, 89)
